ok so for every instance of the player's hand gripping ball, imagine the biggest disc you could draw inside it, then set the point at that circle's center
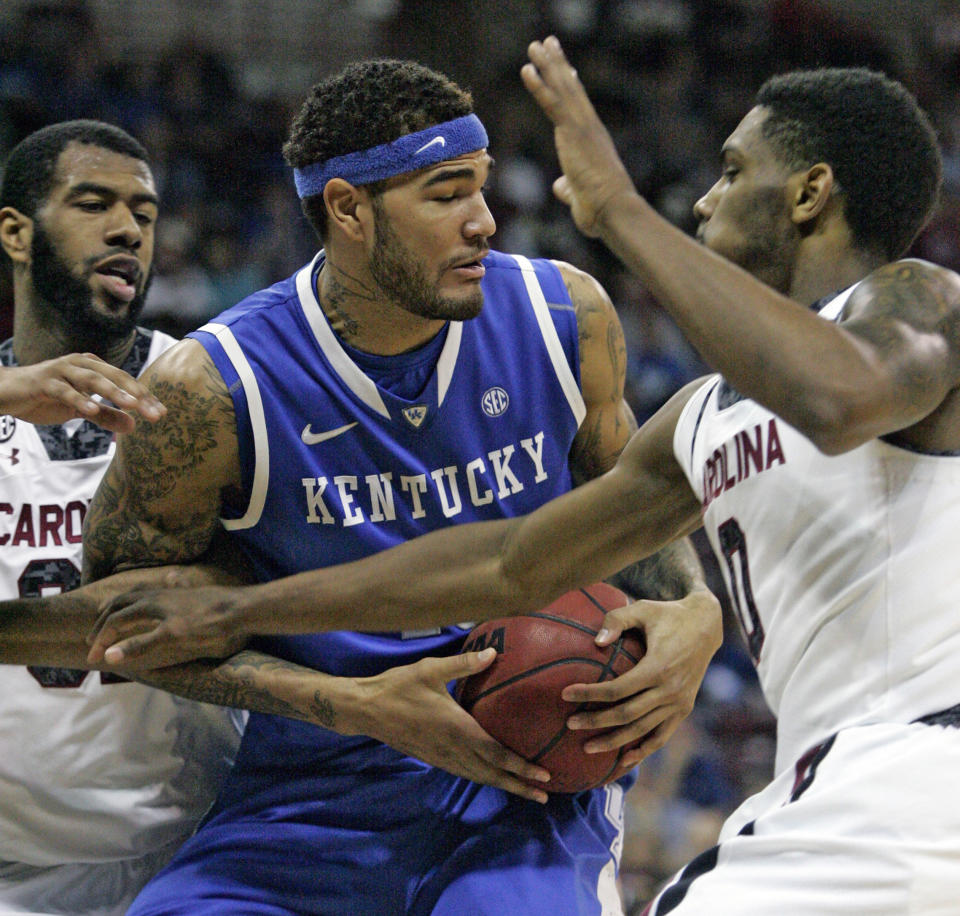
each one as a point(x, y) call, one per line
point(517, 699)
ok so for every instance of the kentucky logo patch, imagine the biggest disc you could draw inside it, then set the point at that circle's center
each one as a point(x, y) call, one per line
point(415, 415)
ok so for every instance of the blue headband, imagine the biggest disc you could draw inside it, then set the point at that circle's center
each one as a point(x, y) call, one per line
point(405, 154)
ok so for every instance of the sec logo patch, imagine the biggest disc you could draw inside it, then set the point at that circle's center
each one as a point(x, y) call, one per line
point(495, 401)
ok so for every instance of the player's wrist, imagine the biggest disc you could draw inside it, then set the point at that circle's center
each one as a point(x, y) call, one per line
point(705, 605)
point(347, 705)
point(17, 390)
point(619, 210)
point(246, 611)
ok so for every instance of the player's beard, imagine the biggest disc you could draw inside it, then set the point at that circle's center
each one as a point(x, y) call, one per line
point(403, 279)
point(66, 300)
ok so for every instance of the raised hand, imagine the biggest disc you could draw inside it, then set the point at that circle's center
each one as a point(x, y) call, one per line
point(592, 170)
point(61, 389)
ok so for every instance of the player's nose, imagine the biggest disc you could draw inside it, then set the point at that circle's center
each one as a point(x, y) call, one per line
point(704, 207)
point(480, 223)
point(123, 228)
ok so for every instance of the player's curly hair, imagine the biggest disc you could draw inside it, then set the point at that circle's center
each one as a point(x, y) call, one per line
point(366, 104)
point(29, 170)
point(870, 130)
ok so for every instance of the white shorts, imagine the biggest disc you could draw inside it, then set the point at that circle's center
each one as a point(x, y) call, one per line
point(76, 889)
point(871, 826)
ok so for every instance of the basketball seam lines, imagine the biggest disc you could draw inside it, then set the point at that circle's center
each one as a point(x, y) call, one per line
point(528, 672)
point(615, 647)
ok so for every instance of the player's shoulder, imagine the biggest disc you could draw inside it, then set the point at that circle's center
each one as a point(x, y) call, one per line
point(589, 299)
point(906, 270)
point(506, 272)
point(498, 260)
point(184, 369)
point(910, 289)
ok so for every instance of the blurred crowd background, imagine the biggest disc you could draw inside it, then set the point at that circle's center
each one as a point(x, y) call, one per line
point(210, 87)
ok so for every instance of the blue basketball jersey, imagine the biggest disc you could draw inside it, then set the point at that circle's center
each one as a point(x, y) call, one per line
point(339, 467)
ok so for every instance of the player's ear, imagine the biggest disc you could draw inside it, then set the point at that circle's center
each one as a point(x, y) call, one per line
point(348, 209)
point(16, 234)
point(812, 192)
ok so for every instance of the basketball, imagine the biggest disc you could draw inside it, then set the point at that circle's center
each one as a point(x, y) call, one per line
point(517, 699)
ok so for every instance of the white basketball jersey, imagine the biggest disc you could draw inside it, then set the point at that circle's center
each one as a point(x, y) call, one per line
point(843, 569)
point(92, 769)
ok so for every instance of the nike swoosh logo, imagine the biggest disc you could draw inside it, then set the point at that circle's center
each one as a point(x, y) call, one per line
point(311, 438)
point(441, 140)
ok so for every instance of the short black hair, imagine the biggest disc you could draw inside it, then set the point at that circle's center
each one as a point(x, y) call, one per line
point(29, 170)
point(367, 104)
point(870, 130)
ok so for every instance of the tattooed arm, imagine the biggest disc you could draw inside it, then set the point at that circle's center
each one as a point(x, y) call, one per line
point(902, 328)
point(407, 707)
point(159, 503)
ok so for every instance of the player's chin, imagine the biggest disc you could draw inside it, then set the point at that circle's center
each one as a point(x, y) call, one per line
point(110, 306)
point(464, 305)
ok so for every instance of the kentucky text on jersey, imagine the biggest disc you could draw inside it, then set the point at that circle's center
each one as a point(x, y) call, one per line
point(373, 497)
point(750, 451)
point(41, 525)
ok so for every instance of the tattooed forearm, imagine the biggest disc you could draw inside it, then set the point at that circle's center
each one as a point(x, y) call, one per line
point(322, 711)
point(247, 680)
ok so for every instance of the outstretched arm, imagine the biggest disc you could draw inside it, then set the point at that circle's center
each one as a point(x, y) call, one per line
point(54, 630)
point(180, 628)
point(391, 707)
point(463, 572)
